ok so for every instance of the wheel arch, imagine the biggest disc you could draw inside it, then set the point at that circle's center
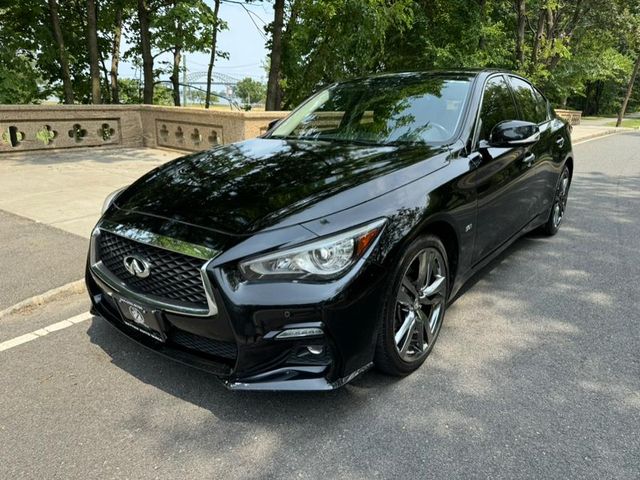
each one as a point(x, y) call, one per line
point(446, 232)
point(569, 163)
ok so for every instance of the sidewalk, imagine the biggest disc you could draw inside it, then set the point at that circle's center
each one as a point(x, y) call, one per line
point(66, 188)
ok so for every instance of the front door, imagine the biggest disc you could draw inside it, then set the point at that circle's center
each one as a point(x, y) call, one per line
point(542, 173)
point(504, 202)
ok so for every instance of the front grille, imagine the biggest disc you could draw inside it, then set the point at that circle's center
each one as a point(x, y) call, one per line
point(173, 276)
point(191, 341)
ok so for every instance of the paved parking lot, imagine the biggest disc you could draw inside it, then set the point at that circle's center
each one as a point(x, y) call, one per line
point(536, 375)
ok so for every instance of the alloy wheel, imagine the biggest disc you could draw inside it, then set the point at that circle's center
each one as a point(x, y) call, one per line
point(420, 305)
point(560, 203)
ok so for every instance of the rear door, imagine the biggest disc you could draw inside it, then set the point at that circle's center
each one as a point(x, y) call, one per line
point(539, 161)
point(503, 200)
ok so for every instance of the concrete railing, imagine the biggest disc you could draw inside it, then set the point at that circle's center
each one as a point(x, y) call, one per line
point(46, 127)
point(571, 116)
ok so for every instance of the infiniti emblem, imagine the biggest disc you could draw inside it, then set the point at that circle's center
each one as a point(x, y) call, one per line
point(137, 315)
point(136, 266)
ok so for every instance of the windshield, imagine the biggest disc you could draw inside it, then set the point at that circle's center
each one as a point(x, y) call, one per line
point(408, 108)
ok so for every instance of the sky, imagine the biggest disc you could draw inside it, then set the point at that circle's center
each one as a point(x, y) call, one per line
point(242, 40)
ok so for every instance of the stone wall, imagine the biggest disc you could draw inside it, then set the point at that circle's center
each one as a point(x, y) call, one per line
point(571, 116)
point(46, 127)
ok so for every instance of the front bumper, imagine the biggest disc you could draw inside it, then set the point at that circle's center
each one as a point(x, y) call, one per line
point(239, 344)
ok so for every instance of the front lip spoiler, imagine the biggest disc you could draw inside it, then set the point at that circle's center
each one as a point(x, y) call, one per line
point(283, 379)
point(293, 378)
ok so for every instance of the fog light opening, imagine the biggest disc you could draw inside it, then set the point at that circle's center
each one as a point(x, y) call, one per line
point(315, 349)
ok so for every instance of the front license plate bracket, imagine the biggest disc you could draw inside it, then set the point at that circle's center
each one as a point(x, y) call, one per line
point(141, 318)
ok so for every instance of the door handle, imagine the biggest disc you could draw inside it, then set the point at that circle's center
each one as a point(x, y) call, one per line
point(560, 142)
point(529, 158)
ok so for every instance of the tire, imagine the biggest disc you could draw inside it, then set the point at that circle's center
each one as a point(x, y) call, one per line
point(558, 208)
point(416, 310)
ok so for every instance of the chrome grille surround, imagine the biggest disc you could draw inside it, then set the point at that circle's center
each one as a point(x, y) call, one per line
point(151, 240)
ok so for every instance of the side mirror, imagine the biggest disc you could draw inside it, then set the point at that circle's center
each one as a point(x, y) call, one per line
point(514, 133)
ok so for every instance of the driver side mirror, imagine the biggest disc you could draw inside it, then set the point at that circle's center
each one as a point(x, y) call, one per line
point(514, 133)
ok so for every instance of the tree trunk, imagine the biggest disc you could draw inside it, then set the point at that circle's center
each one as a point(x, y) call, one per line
point(105, 77)
point(62, 52)
point(115, 56)
point(273, 85)
point(175, 75)
point(481, 7)
point(522, 18)
point(625, 101)
point(537, 41)
point(212, 59)
point(145, 46)
point(94, 57)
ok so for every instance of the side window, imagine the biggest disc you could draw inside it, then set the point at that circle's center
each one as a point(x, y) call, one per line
point(497, 106)
point(543, 105)
point(532, 105)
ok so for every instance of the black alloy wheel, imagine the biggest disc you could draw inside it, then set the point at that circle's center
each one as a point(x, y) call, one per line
point(559, 203)
point(414, 309)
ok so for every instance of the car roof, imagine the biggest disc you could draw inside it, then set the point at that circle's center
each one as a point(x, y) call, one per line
point(457, 73)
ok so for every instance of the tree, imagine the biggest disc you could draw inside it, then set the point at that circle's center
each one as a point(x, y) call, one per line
point(183, 26)
point(114, 19)
point(338, 39)
point(627, 96)
point(217, 26)
point(274, 95)
point(62, 52)
point(521, 12)
point(250, 90)
point(145, 47)
point(94, 55)
point(631, 42)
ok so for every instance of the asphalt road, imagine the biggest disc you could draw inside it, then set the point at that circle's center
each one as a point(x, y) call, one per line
point(536, 375)
point(35, 258)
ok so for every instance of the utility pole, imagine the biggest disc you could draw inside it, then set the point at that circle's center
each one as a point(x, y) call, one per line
point(184, 80)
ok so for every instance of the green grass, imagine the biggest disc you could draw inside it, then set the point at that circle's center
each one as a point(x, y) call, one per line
point(628, 123)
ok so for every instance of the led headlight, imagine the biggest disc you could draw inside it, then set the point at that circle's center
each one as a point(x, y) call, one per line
point(110, 198)
point(322, 259)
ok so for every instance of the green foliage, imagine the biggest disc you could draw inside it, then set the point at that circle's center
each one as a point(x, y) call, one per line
point(578, 44)
point(336, 39)
point(579, 52)
point(45, 135)
point(131, 92)
point(18, 81)
point(251, 91)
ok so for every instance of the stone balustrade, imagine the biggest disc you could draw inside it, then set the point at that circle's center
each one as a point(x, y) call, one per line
point(571, 116)
point(46, 127)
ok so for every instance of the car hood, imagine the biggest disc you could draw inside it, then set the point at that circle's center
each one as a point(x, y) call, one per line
point(257, 184)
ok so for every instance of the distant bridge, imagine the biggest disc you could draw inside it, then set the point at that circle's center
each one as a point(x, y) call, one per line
point(196, 78)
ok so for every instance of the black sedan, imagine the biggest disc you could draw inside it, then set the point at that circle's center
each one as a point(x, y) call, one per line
point(333, 243)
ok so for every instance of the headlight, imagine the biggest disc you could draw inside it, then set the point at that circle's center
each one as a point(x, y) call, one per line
point(110, 198)
point(319, 260)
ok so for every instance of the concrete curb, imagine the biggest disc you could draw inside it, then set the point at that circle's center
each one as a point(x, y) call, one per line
point(604, 133)
point(44, 298)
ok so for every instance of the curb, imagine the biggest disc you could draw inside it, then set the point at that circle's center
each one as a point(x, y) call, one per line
point(609, 131)
point(44, 298)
